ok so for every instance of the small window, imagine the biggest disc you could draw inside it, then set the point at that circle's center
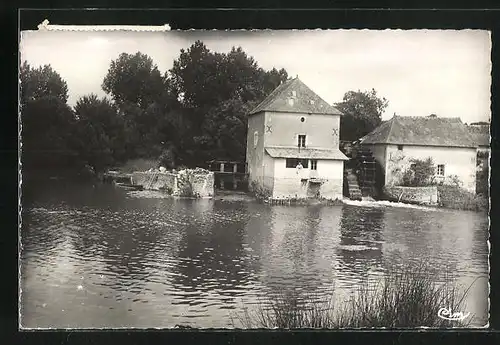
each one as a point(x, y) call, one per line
point(314, 164)
point(302, 119)
point(440, 170)
point(302, 141)
point(255, 138)
point(400, 147)
point(293, 162)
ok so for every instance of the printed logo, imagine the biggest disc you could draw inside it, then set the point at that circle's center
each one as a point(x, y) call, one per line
point(448, 314)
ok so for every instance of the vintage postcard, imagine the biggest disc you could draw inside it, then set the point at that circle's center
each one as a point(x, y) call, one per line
point(254, 179)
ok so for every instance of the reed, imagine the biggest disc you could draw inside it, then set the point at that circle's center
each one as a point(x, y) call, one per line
point(406, 298)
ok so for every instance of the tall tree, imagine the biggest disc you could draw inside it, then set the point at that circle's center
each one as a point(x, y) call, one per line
point(101, 130)
point(144, 100)
point(362, 113)
point(135, 79)
point(195, 75)
point(215, 91)
point(41, 82)
point(49, 143)
point(48, 123)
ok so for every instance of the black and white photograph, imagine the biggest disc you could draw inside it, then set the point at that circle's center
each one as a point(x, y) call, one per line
point(254, 179)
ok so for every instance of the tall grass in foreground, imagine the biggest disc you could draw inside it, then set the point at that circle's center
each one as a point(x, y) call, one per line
point(406, 298)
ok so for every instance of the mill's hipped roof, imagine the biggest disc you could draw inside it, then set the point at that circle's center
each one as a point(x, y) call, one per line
point(480, 135)
point(423, 130)
point(304, 100)
point(305, 153)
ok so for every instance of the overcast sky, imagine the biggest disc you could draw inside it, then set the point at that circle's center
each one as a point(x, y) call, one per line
point(420, 72)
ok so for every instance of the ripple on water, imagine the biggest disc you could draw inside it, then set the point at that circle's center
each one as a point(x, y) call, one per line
point(207, 260)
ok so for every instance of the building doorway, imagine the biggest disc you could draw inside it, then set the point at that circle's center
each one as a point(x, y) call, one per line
point(313, 190)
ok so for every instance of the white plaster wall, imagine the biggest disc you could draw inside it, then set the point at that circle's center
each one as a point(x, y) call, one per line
point(457, 161)
point(268, 171)
point(288, 184)
point(333, 172)
point(255, 154)
point(287, 126)
point(378, 152)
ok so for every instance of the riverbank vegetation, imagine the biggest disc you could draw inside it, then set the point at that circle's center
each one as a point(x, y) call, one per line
point(454, 197)
point(451, 194)
point(192, 113)
point(137, 164)
point(405, 298)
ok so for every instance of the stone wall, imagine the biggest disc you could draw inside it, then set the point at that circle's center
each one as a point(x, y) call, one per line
point(331, 189)
point(412, 195)
point(289, 188)
point(286, 188)
point(197, 183)
point(189, 182)
point(156, 180)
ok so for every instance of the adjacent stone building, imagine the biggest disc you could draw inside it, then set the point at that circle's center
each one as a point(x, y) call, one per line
point(294, 125)
point(446, 140)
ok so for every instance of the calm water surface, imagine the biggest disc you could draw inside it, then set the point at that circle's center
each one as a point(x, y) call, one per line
point(105, 257)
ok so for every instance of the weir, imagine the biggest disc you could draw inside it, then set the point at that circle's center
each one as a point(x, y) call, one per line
point(229, 174)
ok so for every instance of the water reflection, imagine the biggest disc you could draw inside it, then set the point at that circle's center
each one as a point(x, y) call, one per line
point(360, 250)
point(211, 252)
point(143, 260)
point(297, 261)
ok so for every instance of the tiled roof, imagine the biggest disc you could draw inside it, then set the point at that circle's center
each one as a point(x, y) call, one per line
point(480, 134)
point(423, 130)
point(304, 100)
point(305, 153)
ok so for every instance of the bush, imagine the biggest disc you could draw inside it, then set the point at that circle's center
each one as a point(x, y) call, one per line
point(259, 192)
point(454, 197)
point(409, 297)
point(167, 159)
point(420, 173)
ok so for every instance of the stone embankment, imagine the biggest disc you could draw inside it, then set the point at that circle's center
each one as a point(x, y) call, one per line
point(412, 195)
point(197, 182)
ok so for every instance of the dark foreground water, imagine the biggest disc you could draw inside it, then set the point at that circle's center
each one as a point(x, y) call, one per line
point(104, 257)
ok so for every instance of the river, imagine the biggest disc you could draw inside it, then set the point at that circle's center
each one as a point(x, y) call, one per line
point(104, 257)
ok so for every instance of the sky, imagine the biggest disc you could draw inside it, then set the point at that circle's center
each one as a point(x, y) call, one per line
point(420, 72)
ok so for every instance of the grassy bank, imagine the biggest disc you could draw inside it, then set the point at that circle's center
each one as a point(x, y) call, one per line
point(407, 298)
point(454, 197)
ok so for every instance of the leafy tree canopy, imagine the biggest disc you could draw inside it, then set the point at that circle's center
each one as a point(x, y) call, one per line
point(216, 90)
point(41, 82)
point(49, 140)
point(101, 132)
point(362, 113)
point(135, 79)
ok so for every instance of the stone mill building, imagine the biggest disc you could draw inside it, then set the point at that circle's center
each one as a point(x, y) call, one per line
point(293, 145)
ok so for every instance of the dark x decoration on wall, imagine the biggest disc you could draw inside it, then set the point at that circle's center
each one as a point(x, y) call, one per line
point(335, 132)
point(269, 129)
